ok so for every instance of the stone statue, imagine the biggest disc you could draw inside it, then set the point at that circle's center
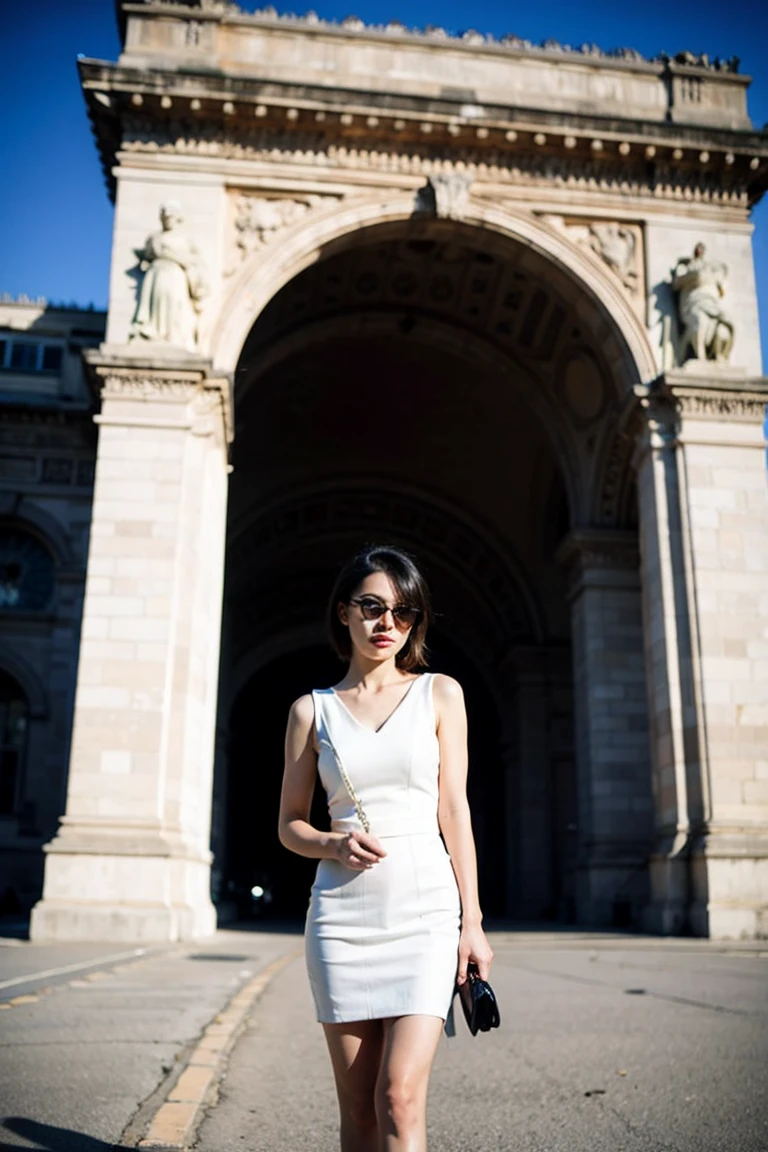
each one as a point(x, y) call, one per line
point(707, 330)
point(173, 287)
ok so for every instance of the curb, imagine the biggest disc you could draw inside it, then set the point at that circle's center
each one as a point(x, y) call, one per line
point(174, 1123)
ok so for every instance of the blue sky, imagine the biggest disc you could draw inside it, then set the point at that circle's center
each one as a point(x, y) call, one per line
point(55, 216)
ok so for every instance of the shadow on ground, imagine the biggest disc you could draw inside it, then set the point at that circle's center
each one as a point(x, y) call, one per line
point(46, 1138)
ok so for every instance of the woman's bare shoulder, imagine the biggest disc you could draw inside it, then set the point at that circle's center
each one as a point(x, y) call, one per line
point(447, 690)
point(302, 712)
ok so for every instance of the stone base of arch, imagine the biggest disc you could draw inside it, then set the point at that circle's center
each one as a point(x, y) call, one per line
point(123, 885)
point(131, 860)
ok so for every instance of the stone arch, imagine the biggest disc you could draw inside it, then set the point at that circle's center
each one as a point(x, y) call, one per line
point(490, 226)
point(28, 680)
point(26, 515)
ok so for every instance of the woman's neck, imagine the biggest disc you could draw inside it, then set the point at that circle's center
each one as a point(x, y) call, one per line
point(372, 675)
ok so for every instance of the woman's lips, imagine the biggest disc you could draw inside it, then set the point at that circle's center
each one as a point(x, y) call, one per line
point(382, 641)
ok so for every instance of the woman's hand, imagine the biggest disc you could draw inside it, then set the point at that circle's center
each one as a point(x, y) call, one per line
point(473, 945)
point(359, 850)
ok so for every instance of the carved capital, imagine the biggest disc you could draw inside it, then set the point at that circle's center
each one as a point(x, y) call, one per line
point(136, 390)
point(717, 394)
point(595, 558)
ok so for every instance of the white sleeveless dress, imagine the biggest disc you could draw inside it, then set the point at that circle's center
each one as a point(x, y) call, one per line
point(383, 942)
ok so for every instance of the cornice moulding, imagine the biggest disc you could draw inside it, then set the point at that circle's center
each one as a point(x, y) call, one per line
point(188, 111)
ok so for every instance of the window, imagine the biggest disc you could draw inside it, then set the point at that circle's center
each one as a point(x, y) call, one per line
point(13, 742)
point(51, 358)
point(26, 572)
point(24, 356)
point(30, 355)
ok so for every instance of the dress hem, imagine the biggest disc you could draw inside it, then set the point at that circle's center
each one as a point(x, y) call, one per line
point(384, 1016)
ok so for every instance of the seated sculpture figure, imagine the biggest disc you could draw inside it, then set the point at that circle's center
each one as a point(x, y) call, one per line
point(173, 287)
point(707, 330)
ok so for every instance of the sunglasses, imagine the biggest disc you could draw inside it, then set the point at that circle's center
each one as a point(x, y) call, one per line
point(373, 609)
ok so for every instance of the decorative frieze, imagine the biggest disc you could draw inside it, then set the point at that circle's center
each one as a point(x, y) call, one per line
point(718, 396)
point(130, 385)
point(487, 165)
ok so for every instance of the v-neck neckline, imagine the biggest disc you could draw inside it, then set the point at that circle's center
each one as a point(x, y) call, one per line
point(395, 710)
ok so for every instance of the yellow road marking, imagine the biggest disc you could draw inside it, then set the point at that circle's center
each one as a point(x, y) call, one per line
point(175, 1121)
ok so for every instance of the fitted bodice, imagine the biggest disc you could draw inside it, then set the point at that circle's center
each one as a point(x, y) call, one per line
point(394, 770)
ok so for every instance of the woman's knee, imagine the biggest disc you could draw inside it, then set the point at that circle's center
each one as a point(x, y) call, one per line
point(358, 1111)
point(399, 1103)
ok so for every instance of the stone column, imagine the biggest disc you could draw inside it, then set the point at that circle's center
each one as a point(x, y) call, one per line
point(536, 737)
point(529, 818)
point(704, 539)
point(131, 859)
point(611, 722)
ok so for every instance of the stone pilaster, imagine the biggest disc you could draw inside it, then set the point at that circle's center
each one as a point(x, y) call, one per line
point(611, 721)
point(704, 539)
point(525, 738)
point(536, 744)
point(131, 859)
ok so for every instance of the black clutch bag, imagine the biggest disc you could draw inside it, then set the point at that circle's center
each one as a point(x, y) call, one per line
point(478, 1002)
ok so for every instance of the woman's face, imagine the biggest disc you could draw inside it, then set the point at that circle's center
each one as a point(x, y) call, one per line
point(375, 640)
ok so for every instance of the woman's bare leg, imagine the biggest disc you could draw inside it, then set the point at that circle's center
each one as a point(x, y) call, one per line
point(356, 1051)
point(410, 1044)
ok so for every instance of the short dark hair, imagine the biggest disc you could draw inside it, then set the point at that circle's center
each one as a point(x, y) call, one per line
point(411, 589)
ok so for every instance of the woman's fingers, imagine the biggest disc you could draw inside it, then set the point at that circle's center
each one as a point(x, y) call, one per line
point(461, 974)
point(361, 850)
point(369, 843)
point(484, 968)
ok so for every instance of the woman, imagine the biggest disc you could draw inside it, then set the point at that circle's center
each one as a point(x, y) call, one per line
point(386, 936)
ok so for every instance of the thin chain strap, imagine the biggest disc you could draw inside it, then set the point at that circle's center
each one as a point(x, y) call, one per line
point(348, 785)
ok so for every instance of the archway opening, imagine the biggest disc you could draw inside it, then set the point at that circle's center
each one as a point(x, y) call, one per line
point(445, 398)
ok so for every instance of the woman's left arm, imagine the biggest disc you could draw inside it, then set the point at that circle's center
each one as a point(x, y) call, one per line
point(456, 824)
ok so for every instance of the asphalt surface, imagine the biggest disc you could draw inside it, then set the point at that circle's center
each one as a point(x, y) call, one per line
point(83, 1051)
point(605, 1046)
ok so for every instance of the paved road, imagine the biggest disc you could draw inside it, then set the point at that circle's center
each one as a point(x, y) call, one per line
point(83, 1050)
point(606, 1046)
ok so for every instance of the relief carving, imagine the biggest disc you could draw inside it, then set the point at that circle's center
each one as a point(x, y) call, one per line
point(616, 245)
point(258, 219)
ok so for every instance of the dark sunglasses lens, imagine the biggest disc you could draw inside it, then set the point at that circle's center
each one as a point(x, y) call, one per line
point(405, 615)
point(372, 609)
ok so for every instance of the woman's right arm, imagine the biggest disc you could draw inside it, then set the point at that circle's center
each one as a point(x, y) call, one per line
point(294, 829)
point(357, 850)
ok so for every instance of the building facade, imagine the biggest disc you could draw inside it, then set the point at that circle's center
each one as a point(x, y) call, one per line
point(491, 302)
point(47, 458)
